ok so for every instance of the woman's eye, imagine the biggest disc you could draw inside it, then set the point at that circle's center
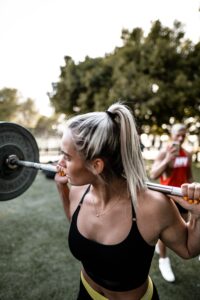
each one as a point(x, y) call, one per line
point(67, 158)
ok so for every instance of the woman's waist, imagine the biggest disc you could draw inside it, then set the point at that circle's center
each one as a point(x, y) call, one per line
point(135, 293)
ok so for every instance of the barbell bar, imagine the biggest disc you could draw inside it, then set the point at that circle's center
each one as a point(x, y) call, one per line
point(13, 162)
point(17, 172)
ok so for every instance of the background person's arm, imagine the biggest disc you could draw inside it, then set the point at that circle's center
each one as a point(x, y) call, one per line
point(162, 161)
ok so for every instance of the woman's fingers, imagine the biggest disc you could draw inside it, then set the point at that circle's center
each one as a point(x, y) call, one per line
point(61, 174)
point(191, 192)
point(61, 170)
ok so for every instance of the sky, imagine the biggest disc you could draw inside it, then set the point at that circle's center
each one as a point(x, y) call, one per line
point(35, 35)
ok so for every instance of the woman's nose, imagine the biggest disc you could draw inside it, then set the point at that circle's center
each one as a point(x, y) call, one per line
point(61, 161)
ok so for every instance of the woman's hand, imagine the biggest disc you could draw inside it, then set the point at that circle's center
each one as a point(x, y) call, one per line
point(61, 175)
point(191, 197)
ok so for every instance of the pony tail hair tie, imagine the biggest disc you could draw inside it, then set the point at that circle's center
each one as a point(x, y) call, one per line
point(111, 115)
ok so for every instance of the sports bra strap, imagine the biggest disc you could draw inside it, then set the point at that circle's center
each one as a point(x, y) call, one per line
point(87, 190)
point(82, 198)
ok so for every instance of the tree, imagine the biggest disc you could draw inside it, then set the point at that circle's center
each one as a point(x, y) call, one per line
point(13, 108)
point(47, 126)
point(8, 103)
point(67, 90)
point(157, 75)
point(80, 85)
point(27, 115)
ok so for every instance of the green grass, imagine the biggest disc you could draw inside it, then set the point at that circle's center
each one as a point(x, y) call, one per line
point(36, 264)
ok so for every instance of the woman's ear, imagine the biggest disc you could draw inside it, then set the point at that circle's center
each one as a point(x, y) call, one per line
point(98, 165)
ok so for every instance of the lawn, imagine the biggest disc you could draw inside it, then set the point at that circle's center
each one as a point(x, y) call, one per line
point(36, 264)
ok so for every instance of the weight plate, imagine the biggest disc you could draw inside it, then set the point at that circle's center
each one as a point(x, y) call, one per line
point(17, 140)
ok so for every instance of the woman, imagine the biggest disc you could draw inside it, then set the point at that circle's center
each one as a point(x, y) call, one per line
point(115, 219)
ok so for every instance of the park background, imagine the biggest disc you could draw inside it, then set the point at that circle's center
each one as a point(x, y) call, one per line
point(155, 69)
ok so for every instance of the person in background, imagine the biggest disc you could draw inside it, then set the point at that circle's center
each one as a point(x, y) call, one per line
point(115, 220)
point(173, 166)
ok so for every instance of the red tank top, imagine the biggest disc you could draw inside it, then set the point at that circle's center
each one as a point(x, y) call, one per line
point(180, 171)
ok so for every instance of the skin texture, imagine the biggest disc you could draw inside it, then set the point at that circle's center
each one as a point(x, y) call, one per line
point(156, 215)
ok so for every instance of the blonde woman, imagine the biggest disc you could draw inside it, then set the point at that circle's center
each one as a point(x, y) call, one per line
point(115, 219)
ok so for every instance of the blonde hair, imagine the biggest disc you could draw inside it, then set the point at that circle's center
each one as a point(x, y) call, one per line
point(112, 136)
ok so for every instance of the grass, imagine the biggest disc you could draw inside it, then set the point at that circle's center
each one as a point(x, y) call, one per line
point(36, 264)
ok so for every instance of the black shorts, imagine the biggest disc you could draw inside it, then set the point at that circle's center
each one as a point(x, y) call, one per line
point(83, 294)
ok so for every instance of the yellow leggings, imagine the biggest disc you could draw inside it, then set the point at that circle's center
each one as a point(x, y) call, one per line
point(96, 296)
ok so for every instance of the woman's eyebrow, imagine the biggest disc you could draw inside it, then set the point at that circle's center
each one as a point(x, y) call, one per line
point(63, 152)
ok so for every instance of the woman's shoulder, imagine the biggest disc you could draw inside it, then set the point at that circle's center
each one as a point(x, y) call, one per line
point(154, 202)
point(155, 209)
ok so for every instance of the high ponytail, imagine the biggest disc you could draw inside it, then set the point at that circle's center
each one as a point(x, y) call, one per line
point(112, 136)
point(132, 160)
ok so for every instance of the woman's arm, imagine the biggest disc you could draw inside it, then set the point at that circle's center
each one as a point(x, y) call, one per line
point(191, 202)
point(63, 189)
point(194, 234)
point(182, 237)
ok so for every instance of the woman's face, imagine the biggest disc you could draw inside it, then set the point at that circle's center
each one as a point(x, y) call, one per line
point(76, 172)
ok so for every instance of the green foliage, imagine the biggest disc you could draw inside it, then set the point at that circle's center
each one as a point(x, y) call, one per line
point(14, 109)
point(26, 114)
point(68, 89)
point(17, 110)
point(46, 126)
point(8, 103)
point(157, 75)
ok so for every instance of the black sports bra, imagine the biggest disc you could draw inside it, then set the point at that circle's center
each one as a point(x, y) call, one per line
point(120, 267)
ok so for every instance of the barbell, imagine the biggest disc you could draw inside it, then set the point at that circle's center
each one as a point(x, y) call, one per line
point(19, 163)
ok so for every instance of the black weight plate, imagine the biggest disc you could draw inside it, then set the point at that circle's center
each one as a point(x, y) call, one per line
point(17, 140)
